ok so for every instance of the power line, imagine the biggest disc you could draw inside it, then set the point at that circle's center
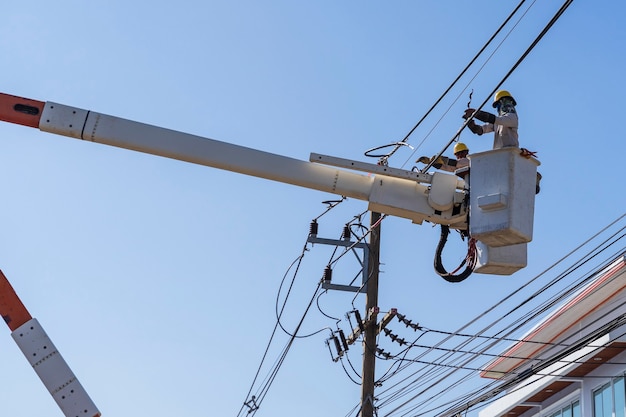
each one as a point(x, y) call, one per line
point(545, 30)
point(536, 369)
point(253, 402)
point(467, 67)
point(602, 247)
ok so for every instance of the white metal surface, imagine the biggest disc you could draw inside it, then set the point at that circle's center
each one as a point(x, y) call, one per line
point(441, 195)
point(400, 198)
point(395, 196)
point(53, 371)
point(503, 260)
point(425, 178)
point(502, 197)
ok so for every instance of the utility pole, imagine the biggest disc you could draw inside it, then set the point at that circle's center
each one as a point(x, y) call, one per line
point(371, 325)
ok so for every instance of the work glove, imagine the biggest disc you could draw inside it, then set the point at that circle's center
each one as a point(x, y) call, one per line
point(442, 160)
point(468, 113)
point(477, 130)
point(483, 116)
point(486, 117)
point(437, 164)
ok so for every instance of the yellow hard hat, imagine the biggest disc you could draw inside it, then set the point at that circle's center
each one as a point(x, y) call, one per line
point(500, 94)
point(460, 147)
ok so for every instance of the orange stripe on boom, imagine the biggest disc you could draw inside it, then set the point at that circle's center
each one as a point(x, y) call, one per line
point(11, 308)
point(23, 111)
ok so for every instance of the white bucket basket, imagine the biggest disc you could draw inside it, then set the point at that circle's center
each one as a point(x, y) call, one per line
point(502, 197)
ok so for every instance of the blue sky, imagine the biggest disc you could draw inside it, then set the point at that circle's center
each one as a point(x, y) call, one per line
point(158, 280)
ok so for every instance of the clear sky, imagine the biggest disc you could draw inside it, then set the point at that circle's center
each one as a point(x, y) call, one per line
point(158, 280)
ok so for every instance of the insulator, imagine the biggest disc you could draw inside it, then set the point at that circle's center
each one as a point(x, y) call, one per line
point(337, 345)
point(344, 342)
point(328, 274)
point(313, 228)
point(330, 350)
point(384, 354)
point(346, 232)
point(359, 320)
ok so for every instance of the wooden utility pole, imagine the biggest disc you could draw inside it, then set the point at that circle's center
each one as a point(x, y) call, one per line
point(371, 326)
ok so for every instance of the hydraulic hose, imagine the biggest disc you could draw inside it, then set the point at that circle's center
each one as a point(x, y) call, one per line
point(469, 262)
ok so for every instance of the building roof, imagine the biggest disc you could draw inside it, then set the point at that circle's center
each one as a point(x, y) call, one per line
point(578, 316)
point(609, 285)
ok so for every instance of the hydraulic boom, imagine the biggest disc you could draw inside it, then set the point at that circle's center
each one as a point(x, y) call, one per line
point(395, 192)
point(497, 213)
point(43, 356)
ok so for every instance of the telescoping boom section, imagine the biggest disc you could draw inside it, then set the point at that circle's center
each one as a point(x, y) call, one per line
point(497, 211)
point(399, 195)
point(43, 356)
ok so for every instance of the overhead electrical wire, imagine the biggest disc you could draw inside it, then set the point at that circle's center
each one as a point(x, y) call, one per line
point(565, 363)
point(519, 61)
point(253, 402)
point(435, 364)
point(551, 267)
point(536, 369)
point(545, 30)
point(469, 262)
point(561, 297)
point(480, 336)
point(270, 379)
point(355, 381)
point(449, 386)
point(464, 352)
point(461, 404)
point(445, 93)
point(456, 99)
point(437, 378)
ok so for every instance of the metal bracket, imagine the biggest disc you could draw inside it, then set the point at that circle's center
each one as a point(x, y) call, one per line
point(372, 168)
point(352, 246)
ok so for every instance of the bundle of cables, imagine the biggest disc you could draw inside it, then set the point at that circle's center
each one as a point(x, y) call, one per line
point(469, 262)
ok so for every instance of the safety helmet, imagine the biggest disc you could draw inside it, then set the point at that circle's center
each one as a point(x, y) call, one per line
point(460, 147)
point(501, 94)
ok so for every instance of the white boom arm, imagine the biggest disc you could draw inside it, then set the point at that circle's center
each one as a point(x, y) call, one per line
point(43, 356)
point(398, 195)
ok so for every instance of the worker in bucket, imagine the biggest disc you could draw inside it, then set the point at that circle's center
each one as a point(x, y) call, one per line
point(504, 124)
point(447, 164)
point(460, 152)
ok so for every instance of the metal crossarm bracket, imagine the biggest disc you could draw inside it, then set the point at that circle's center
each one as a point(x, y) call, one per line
point(363, 261)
